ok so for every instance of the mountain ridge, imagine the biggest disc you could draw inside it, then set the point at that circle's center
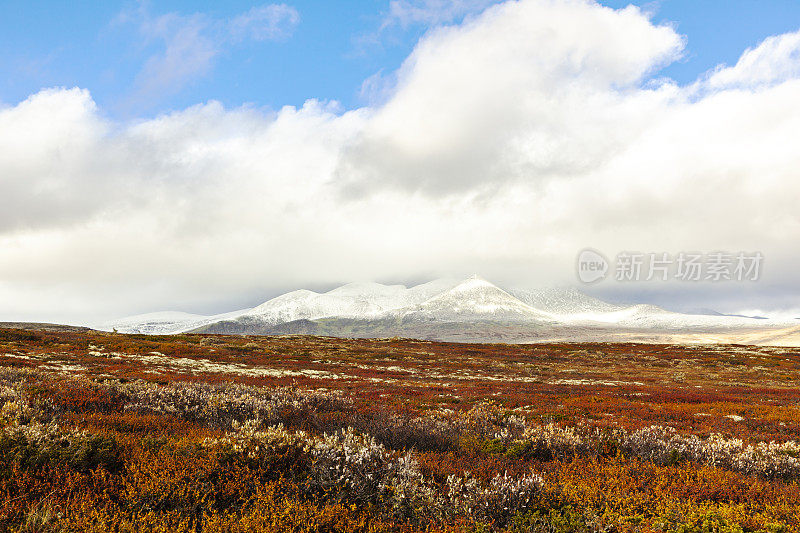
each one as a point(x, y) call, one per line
point(442, 309)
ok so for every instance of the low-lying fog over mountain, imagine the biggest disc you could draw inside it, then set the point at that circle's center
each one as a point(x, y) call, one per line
point(470, 310)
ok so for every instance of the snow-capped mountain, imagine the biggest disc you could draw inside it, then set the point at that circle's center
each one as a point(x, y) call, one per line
point(354, 300)
point(563, 301)
point(473, 299)
point(472, 309)
point(165, 322)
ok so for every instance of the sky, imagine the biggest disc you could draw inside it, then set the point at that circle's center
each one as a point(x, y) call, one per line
point(205, 156)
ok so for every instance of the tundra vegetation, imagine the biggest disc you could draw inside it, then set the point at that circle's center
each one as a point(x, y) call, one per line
point(111, 432)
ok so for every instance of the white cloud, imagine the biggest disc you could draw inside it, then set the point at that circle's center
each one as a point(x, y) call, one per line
point(265, 23)
point(45, 176)
point(431, 12)
point(528, 88)
point(774, 60)
point(188, 45)
point(508, 143)
point(188, 52)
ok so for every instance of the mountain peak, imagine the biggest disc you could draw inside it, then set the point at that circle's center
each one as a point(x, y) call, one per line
point(474, 282)
point(387, 309)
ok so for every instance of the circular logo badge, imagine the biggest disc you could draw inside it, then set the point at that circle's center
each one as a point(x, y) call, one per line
point(592, 266)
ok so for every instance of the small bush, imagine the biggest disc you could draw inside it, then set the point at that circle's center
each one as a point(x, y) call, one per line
point(37, 446)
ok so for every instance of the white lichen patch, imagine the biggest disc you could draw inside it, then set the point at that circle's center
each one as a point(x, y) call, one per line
point(19, 356)
point(184, 364)
point(63, 367)
point(607, 383)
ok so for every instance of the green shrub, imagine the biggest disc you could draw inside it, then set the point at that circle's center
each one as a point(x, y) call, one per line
point(83, 453)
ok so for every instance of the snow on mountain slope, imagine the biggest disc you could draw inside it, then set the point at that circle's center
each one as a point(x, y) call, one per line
point(362, 301)
point(304, 304)
point(566, 301)
point(651, 317)
point(354, 300)
point(445, 300)
point(165, 322)
point(393, 296)
point(474, 299)
point(644, 316)
point(151, 323)
point(572, 307)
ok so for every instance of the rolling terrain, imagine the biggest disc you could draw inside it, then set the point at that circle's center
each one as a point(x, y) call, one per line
point(183, 433)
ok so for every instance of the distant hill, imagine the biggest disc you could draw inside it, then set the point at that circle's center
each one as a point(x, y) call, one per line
point(472, 310)
point(42, 326)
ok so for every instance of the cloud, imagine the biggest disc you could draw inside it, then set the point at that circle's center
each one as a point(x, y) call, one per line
point(405, 13)
point(188, 52)
point(774, 60)
point(515, 93)
point(46, 177)
point(265, 23)
point(188, 45)
point(505, 145)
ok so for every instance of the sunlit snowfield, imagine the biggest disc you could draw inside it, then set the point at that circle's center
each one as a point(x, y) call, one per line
point(104, 431)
